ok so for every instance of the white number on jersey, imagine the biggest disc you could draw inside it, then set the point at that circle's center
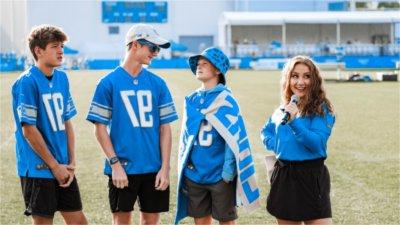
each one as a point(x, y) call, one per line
point(205, 138)
point(58, 104)
point(145, 105)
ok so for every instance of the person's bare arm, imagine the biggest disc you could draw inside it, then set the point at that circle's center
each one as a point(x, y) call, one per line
point(69, 129)
point(162, 178)
point(119, 177)
point(35, 139)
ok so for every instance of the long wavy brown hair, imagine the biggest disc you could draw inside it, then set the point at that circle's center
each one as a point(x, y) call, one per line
point(315, 100)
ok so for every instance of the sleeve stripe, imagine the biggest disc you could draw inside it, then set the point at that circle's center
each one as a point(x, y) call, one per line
point(94, 109)
point(29, 112)
point(101, 106)
point(28, 106)
point(22, 118)
point(71, 111)
point(168, 116)
point(167, 110)
point(70, 115)
point(166, 105)
point(70, 107)
point(96, 118)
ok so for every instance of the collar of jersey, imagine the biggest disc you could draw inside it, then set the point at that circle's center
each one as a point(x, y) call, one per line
point(38, 72)
point(141, 73)
point(218, 88)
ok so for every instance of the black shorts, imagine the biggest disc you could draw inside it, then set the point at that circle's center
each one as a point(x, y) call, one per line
point(300, 191)
point(142, 186)
point(218, 200)
point(43, 197)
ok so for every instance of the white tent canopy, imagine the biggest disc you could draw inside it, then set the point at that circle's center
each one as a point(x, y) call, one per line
point(229, 19)
point(279, 18)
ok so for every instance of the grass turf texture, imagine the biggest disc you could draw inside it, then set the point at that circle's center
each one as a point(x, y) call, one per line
point(363, 149)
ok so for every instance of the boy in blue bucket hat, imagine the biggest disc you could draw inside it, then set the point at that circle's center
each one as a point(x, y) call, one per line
point(207, 168)
point(216, 57)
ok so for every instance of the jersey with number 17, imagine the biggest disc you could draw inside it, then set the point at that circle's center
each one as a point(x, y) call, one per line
point(47, 104)
point(133, 108)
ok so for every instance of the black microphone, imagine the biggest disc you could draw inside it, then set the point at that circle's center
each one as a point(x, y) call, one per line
point(294, 99)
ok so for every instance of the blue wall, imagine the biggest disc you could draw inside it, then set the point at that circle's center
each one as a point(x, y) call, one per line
point(366, 62)
point(99, 64)
point(351, 62)
point(178, 63)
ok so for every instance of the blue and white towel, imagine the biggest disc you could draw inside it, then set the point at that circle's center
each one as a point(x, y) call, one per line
point(224, 115)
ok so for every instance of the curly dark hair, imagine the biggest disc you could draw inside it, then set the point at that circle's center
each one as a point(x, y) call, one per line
point(315, 100)
point(42, 35)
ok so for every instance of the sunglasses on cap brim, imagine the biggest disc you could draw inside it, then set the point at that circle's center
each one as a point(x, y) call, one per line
point(153, 48)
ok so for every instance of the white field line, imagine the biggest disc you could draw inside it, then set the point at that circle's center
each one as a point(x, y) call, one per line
point(7, 142)
point(362, 186)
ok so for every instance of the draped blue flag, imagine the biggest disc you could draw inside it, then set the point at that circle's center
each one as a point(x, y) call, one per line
point(224, 115)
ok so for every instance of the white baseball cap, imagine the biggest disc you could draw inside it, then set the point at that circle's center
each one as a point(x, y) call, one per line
point(147, 32)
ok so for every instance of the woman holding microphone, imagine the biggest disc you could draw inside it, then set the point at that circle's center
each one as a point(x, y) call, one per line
point(298, 132)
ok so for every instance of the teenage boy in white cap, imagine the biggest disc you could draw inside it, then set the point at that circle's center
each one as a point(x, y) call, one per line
point(131, 110)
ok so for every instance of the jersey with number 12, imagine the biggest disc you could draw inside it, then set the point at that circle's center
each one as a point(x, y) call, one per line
point(133, 108)
point(47, 104)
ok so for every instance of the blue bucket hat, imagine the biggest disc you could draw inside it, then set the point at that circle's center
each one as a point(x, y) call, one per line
point(215, 56)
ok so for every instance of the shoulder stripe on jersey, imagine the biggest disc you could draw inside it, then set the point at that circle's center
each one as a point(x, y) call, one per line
point(167, 110)
point(94, 109)
point(101, 106)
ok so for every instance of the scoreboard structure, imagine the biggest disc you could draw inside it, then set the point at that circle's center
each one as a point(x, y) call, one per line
point(134, 12)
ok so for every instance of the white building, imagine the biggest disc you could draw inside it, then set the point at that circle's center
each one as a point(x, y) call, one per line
point(194, 23)
point(189, 21)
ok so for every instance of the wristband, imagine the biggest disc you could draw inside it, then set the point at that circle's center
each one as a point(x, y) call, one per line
point(113, 160)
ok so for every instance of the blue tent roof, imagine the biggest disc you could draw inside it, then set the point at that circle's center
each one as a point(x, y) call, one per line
point(70, 51)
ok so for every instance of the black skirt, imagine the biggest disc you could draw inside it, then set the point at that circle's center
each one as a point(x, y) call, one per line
point(300, 190)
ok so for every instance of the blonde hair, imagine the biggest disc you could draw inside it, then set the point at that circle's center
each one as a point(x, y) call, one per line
point(315, 100)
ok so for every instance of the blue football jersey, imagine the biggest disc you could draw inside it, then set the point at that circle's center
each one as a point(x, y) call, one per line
point(207, 156)
point(47, 104)
point(133, 108)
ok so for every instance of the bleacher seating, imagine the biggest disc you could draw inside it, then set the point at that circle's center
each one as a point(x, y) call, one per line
point(256, 56)
point(243, 50)
point(356, 49)
point(362, 49)
point(392, 49)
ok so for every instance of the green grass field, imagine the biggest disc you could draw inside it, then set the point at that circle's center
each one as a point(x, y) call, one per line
point(364, 155)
